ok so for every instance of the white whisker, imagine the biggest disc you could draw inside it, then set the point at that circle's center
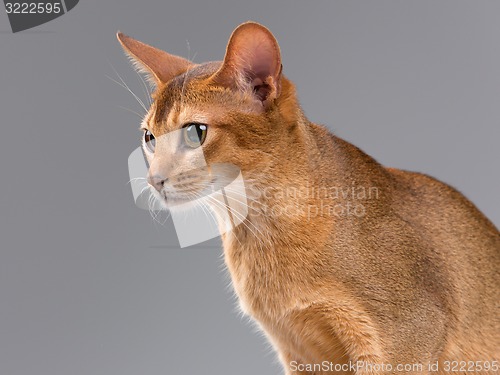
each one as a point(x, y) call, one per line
point(125, 86)
point(129, 110)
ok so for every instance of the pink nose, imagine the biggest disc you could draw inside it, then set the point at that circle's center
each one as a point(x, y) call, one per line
point(157, 181)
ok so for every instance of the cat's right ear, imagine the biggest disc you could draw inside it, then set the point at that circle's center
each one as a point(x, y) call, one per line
point(159, 66)
point(252, 63)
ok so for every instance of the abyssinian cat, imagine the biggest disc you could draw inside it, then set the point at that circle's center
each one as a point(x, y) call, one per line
point(412, 278)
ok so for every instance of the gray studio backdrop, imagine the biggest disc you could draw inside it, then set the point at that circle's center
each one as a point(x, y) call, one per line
point(90, 284)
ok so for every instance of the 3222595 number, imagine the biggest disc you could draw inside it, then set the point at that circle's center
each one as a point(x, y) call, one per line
point(33, 8)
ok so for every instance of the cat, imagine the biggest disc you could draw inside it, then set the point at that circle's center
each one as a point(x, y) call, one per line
point(346, 265)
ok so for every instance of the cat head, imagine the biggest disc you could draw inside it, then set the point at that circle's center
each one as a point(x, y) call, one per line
point(234, 112)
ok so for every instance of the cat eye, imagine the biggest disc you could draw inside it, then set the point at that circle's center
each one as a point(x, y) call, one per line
point(194, 134)
point(149, 140)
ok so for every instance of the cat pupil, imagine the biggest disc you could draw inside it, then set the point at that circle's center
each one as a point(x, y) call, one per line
point(150, 140)
point(195, 134)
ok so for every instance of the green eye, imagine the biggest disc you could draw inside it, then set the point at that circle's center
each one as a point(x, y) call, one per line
point(195, 134)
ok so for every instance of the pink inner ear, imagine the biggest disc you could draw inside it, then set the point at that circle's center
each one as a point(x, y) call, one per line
point(264, 63)
point(261, 89)
point(262, 70)
point(257, 56)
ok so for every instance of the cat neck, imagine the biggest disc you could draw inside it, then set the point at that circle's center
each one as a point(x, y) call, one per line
point(313, 181)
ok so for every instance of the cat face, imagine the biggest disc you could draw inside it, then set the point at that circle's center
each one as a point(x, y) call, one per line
point(211, 115)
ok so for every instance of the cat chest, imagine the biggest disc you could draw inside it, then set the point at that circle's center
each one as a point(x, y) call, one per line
point(261, 284)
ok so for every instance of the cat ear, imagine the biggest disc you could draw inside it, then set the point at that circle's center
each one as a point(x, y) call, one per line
point(252, 61)
point(158, 65)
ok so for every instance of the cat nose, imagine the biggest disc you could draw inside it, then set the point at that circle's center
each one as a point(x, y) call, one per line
point(157, 181)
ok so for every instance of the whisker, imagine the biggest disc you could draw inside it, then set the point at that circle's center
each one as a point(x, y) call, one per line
point(129, 110)
point(243, 219)
point(125, 86)
point(137, 179)
point(145, 89)
point(187, 72)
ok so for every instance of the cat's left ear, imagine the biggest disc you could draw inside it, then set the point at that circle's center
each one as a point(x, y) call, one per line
point(159, 65)
point(252, 62)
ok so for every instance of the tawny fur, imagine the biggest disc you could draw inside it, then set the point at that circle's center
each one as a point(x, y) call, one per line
point(414, 279)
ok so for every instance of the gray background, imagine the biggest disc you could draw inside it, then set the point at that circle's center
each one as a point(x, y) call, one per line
point(89, 284)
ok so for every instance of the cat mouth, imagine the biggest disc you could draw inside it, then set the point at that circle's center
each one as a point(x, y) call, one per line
point(170, 201)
